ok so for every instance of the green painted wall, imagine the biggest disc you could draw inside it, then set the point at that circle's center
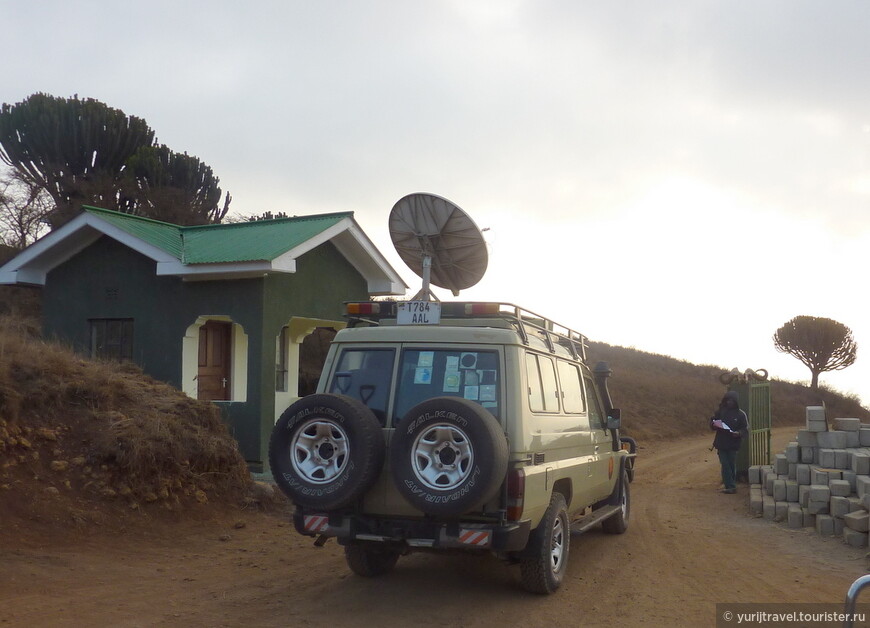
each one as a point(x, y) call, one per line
point(109, 280)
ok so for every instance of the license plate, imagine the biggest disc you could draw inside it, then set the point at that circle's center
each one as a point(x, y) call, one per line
point(418, 313)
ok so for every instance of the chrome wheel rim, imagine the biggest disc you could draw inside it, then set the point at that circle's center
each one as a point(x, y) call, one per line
point(557, 546)
point(319, 451)
point(442, 457)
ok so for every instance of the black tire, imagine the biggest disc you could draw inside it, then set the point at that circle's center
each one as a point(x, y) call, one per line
point(369, 560)
point(544, 561)
point(448, 456)
point(618, 523)
point(326, 451)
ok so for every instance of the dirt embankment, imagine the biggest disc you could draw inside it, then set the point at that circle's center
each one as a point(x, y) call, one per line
point(688, 548)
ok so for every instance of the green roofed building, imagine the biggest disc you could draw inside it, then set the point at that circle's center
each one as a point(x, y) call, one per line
point(220, 311)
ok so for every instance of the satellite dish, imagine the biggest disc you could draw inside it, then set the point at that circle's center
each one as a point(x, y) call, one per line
point(439, 242)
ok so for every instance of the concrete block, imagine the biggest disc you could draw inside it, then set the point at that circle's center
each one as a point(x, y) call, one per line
point(817, 426)
point(795, 516)
point(849, 476)
point(780, 464)
point(843, 459)
point(809, 518)
point(780, 511)
point(791, 491)
point(806, 438)
point(858, 520)
point(840, 506)
point(804, 494)
point(825, 525)
point(855, 503)
point(756, 503)
point(792, 452)
point(792, 471)
point(803, 474)
point(818, 508)
point(808, 454)
point(853, 439)
point(815, 413)
point(754, 474)
point(847, 425)
point(779, 490)
point(832, 440)
point(861, 463)
point(768, 483)
point(765, 470)
point(862, 484)
point(818, 475)
point(839, 488)
point(864, 436)
point(865, 501)
point(854, 537)
point(827, 458)
point(838, 527)
point(819, 493)
point(768, 507)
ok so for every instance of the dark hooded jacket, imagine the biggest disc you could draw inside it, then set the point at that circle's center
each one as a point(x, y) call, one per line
point(733, 417)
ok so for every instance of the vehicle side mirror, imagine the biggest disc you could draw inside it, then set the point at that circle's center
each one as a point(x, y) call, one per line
point(614, 419)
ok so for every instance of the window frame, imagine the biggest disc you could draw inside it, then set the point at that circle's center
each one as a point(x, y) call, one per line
point(125, 341)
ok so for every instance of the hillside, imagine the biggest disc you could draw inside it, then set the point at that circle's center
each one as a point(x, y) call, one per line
point(89, 442)
point(662, 397)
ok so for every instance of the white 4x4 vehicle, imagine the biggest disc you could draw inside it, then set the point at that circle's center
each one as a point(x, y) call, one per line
point(485, 431)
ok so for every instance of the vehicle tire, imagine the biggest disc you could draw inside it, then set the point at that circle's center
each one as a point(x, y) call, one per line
point(448, 456)
point(618, 523)
point(326, 451)
point(369, 560)
point(545, 559)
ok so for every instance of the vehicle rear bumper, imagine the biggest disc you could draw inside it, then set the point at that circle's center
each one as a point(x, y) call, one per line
point(413, 533)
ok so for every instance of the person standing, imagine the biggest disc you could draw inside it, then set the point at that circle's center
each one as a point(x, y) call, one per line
point(731, 425)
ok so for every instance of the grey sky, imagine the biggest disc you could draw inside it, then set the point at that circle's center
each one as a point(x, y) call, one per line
point(693, 149)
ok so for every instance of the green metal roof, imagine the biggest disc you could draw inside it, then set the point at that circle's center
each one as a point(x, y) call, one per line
point(259, 240)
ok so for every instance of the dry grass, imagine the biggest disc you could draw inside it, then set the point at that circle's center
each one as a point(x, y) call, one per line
point(78, 429)
point(662, 397)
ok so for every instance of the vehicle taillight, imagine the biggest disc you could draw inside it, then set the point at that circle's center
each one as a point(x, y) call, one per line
point(477, 309)
point(365, 307)
point(516, 493)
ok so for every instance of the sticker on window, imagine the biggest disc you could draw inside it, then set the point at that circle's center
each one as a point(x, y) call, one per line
point(426, 358)
point(471, 378)
point(452, 380)
point(468, 360)
point(471, 393)
point(487, 392)
point(423, 375)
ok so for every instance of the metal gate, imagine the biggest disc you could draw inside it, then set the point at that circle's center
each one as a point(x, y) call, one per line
point(755, 401)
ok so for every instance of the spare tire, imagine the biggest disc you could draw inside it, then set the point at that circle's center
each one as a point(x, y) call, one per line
point(448, 456)
point(326, 451)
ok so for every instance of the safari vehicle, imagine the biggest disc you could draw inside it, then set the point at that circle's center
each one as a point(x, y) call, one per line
point(464, 426)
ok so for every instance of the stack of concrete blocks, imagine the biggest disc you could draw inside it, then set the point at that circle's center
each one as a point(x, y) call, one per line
point(821, 481)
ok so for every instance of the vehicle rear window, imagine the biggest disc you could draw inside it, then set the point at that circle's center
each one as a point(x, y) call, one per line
point(424, 374)
point(365, 374)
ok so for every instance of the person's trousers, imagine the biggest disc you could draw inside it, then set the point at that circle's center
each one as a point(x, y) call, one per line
point(728, 460)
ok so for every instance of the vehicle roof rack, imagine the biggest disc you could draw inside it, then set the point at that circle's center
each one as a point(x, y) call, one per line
point(526, 322)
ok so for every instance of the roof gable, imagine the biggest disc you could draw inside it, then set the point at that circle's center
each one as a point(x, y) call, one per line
point(224, 251)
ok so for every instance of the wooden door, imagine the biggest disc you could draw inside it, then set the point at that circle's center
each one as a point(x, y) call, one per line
point(213, 376)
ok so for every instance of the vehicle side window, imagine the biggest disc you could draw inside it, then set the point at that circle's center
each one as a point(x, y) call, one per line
point(365, 374)
point(536, 390)
point(572, 389)
point(596, 416)
point(543, 390)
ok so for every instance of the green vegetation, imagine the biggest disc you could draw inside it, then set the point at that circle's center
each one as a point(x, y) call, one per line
point(822, 344)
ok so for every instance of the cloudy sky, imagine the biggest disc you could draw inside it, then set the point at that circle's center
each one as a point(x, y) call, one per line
point(681, 177)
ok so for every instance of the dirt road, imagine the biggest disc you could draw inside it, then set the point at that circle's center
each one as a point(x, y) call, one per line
point(687, 548)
